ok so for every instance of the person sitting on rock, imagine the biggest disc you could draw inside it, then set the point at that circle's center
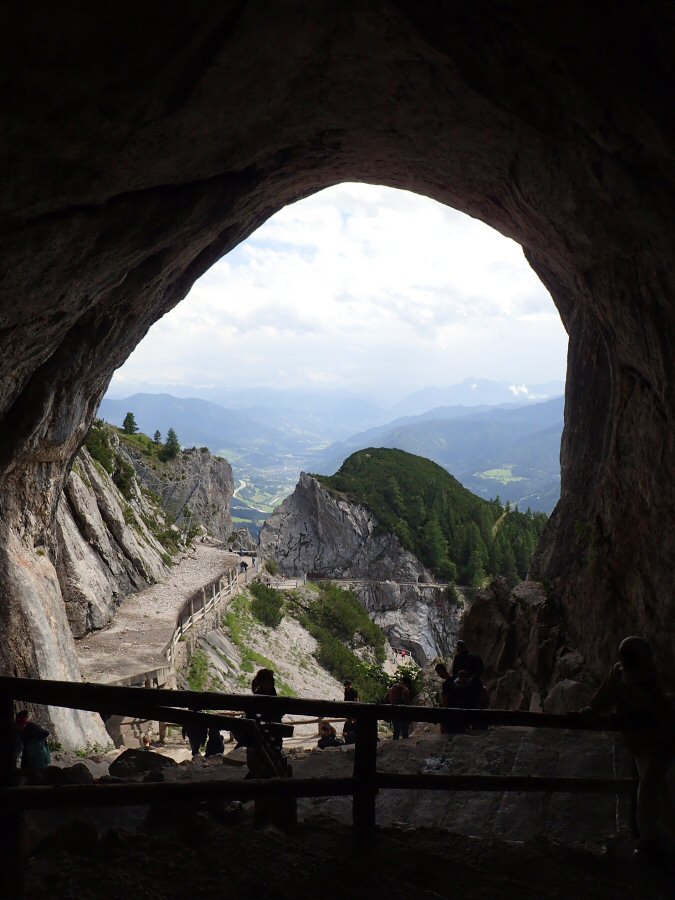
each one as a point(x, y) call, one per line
point(328, 737)
point(215, 745)
point(648, 726)
point(470, 662)
point(33, 741)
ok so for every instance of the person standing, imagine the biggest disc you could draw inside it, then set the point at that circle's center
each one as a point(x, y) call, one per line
point(351, 694)
point(648, 726)
point(196, 734)
point(35, 753)
point(400, 694)
point(469, 662)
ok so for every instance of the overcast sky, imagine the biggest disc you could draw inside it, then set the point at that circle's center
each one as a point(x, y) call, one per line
point(365, 288)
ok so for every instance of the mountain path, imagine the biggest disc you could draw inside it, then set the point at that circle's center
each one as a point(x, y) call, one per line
point(144, 623)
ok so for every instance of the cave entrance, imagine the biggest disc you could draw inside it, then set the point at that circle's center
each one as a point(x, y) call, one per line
point(144, 150)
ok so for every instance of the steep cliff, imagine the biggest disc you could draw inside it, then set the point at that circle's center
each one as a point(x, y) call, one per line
point(194, 486)
point(104, 544)
point(319, 531)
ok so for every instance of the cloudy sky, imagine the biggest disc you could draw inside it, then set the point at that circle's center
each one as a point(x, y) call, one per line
point(365, 288)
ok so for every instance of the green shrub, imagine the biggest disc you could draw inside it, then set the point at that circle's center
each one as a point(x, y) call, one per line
point(272, 566)
point(97, 443)
point(123, 477)
point(267, 604)
point(198, 672)
point(341, 614)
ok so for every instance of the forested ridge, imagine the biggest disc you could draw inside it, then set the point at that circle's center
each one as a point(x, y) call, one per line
point(456, 534)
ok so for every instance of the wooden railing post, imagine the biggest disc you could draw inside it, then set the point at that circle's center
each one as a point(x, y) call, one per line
point(365, 772)
point(11, 820)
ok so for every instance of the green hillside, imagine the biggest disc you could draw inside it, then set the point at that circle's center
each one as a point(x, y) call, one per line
point(456, 534)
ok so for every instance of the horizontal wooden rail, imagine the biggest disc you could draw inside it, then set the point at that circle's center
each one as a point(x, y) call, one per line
point(104, 697)
point(519, 783)
point(139, 794)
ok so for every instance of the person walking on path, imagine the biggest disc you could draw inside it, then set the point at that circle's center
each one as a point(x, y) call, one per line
point(400, 694)
point(32, 740)
point(648, 726)
point(196, 734)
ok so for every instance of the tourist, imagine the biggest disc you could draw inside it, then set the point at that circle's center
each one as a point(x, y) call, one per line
point(196, 734)
point(470, 662)
point(400, 694)
point(33, 742)
point(648, 725)
point(445, 693)
point(351, 694)
point(215, 745)
point(328, 737)
point(263, 684)
point(349, 731)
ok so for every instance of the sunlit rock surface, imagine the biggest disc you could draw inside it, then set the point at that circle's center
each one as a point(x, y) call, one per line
point(319, 532)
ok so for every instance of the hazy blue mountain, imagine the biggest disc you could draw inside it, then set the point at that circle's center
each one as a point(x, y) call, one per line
point(476, 392)
point(326, 415)
point(197, 422)
point(519, 447)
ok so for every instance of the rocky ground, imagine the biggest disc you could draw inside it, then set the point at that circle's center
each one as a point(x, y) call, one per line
point(427, 845)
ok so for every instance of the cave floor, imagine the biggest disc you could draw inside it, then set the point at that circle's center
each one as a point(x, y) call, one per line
point(197, 857)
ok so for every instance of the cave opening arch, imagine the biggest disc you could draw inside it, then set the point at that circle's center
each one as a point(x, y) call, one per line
point(144, 167)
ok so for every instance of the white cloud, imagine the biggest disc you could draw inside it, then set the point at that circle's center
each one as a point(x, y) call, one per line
point(360, 286)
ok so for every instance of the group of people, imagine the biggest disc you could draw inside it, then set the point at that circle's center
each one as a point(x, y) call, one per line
point(328, 736)
point(462, 688)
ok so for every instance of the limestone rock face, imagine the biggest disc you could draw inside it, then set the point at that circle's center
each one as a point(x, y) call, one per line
point(100, 556)
point(528, 661)
point(196, 481)
point(421, 618)
point(143, 147)
point(318, 531)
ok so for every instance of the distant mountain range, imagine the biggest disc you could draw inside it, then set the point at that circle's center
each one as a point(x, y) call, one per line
point(513, 452)
point(494, 437)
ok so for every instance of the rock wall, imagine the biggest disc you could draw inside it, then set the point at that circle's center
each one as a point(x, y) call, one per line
point(422, 618)
point(194, 479)
point(529, 661)
point(104, 549)
point(318, 531)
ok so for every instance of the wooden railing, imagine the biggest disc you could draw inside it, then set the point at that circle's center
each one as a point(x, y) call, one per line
point(199, 604)
point(175, 706)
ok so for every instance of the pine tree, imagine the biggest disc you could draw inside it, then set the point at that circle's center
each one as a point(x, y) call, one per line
point(171, 445)
point(129, 425)
point(157, 439)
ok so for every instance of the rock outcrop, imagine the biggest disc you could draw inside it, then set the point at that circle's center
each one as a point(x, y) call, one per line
point(130, 173)
point(195, 485)
point(316, 530)
point(320, 532)
point(529, 663)
point(104, 549)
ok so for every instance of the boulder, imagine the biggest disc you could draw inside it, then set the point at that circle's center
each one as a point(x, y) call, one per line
point(135, 762)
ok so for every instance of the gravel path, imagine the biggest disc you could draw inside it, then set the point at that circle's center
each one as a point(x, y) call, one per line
point(144, 623)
